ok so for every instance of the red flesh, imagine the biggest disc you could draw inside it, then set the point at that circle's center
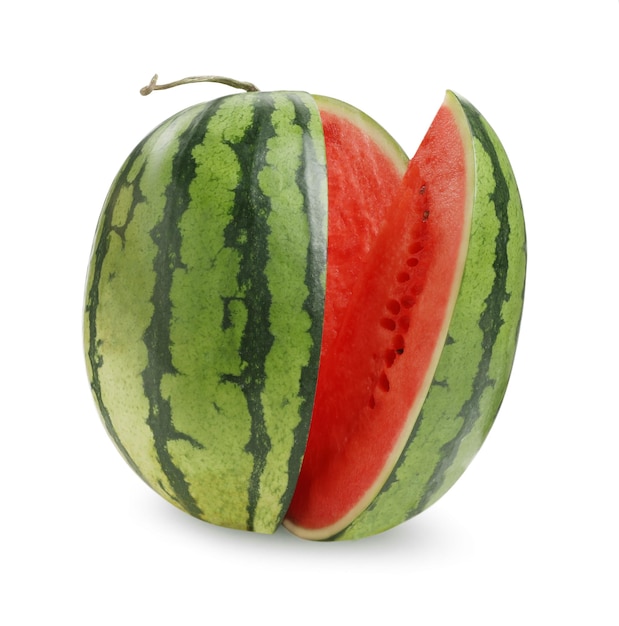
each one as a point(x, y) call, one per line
point(393, 256)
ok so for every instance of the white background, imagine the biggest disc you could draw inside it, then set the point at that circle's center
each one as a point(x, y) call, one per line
point(529, 534)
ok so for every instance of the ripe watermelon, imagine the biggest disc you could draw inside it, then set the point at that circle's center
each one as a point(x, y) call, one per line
point(287, 321)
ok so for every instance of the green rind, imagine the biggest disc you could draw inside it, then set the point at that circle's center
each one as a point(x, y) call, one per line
point(476, 362)
point(205, 302)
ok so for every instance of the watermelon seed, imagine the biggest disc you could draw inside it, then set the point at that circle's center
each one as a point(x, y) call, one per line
point(422, 190)
point(398, 344)
point(416, 247)
point(426, 215)
point(402, 277)
point(390, 356)
point(393, 306)
point(412, 262)
point(408, 302)
point(404, 323)
point(372, 402)
point(383, 382)
point(388, 323)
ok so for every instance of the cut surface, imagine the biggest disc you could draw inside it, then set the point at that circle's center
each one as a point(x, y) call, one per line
point(365, 167)
point(396, 252)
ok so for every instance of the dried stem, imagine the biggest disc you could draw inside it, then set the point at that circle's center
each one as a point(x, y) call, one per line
point(236, 84)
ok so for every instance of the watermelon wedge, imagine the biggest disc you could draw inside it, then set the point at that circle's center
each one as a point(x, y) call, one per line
point(381, 350)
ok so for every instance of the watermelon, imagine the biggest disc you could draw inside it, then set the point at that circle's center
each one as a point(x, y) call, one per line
point(289, 322)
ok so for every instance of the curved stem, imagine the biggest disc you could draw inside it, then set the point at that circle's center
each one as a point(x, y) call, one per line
point(231, 82)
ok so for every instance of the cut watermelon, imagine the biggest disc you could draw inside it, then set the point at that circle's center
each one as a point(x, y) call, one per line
point(287, 320)
point(382, 344)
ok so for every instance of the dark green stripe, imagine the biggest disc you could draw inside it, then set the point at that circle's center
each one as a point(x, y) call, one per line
point(310, 170)
point(168, 238)
point(248, 232)
point(105, 228)
point(491, 319)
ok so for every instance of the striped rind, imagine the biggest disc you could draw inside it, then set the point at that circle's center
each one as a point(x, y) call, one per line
point(476, 361)
point(205, 301)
